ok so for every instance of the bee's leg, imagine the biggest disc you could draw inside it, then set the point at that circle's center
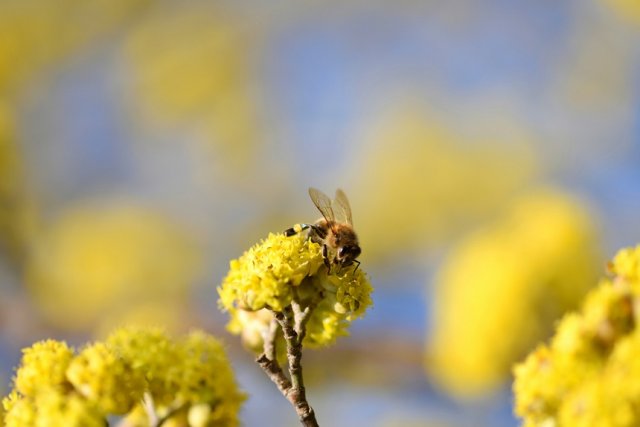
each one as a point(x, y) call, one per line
point(296, 229)
point(325, 255)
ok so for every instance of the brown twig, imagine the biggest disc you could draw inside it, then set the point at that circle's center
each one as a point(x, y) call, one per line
point(268, 360)
point(292, 320)
point(289, 322)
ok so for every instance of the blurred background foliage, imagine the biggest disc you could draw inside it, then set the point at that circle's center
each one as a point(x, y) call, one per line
point(490, 152)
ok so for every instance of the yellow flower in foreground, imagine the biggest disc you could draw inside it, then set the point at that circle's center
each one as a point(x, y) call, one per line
point(282, 269)
point(189, 378)
point(501, 289)
point(193, 374)
point(51, 407)
point(266, 275)
point(587, 375)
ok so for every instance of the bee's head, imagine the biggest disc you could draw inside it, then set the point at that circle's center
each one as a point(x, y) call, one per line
point(347, 253)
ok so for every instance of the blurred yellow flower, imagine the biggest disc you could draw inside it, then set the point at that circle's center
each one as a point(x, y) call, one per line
point(44, 364)
point(500, 290)
point(36, 33)
point(280, 269)
point(587, 375)
point(627, 9)
point(421, 182)
point(104, 258)
point(205, 380)
point(190, 64)
point(189, 378)
point(17, 213)
point(104, 377)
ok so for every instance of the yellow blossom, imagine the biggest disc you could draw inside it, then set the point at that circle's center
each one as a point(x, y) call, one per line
point(265, 275)
point(510, 280)
point(43, 365)
point(102, 376)
point(587, 375)
point(281, 269)
point(185, 379)
point(346, 296)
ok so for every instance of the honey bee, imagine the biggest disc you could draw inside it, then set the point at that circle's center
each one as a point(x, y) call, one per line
point(334, 231)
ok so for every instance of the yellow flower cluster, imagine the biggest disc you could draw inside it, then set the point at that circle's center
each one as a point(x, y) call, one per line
point(587, 375)
point(52, 408)
point(188, 378)
point(510, 280)
point(280, 270)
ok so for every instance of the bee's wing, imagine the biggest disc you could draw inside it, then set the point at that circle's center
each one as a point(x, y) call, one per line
point(341, 205)
point(323, 203)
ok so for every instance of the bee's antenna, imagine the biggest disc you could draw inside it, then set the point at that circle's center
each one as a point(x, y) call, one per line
point(356, 269)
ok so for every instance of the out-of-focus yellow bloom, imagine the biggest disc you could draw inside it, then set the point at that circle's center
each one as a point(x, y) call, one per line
point(627, 9)
point(587, 375)
point(43, 365)
point(36, 33)
point(150, 351)
point(501, 289)
point(193, 372)
point(204, 378)
point(96, 260)
point(102, 376)
point(17, 213)
point(20, 411)
point(447, 182)
point(282, 269)
point(190, 64)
